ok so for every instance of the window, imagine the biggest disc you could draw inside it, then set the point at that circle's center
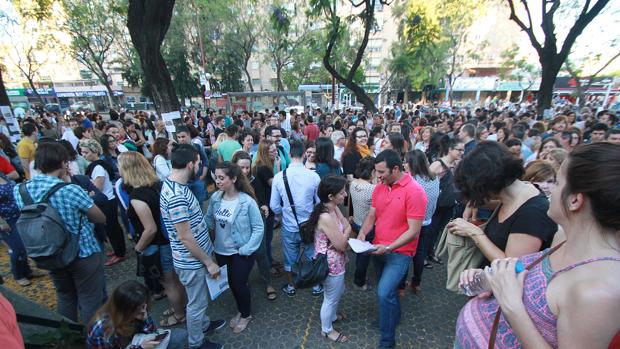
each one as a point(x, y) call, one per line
point(372, 79)
point(143, 99)
point(255, 83)
point(255, 65)
point(131, 99)
point(375, 45)
point(375, 62)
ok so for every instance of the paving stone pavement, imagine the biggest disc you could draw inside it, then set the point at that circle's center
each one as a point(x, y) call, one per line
point(428, 319)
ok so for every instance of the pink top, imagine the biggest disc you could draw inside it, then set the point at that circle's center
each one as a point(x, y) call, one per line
point(473, 327)
point(336, 260)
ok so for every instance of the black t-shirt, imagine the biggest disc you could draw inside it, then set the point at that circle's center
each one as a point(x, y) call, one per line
point(349, 162)
point(261, 185)
point(149, 195)
point(531, 218)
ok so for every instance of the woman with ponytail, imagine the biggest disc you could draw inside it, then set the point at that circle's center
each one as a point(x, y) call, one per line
point(238, 224)
point(330, 231)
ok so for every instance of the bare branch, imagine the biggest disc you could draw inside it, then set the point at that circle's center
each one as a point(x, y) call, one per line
point(582, 21)
point(528, 30)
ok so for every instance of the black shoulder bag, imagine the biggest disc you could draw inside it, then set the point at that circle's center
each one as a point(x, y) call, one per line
point(306, 273)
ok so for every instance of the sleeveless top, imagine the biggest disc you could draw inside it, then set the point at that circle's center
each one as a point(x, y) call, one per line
point(473, 327)
point(336, 260)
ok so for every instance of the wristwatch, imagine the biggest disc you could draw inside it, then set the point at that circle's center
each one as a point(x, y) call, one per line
point(388, 249)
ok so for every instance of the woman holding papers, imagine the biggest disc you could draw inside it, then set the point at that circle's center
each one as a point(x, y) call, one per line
point(238, 224)
point(330, 231)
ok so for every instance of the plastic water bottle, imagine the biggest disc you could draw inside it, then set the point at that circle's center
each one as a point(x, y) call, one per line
point(480, 284)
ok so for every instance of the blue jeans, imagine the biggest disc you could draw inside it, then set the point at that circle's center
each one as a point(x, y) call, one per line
point(17, 252)
point(291, 246)
point(390, 269)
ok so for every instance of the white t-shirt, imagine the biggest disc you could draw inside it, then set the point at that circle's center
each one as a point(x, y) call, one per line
point(162, 167)
point(224, 243)
point(108, 189)
point(68, 135)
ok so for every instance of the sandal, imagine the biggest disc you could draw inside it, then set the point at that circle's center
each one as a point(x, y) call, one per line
point(339, 339)
point(172, 320)
point(242, 324)
point(271, 293)
point(341, 317)
point(168, 312)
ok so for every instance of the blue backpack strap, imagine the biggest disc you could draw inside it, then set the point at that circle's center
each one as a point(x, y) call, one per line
point(26, 198)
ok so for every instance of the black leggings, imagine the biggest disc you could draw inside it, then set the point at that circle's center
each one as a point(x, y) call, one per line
point(113, 228)
point(239, 268)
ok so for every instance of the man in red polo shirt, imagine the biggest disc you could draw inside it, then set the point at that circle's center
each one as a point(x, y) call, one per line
point(311, 131)
point(397, 212)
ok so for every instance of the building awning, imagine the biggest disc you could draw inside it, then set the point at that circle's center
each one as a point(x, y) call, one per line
point(518, 86)
point(73, 94)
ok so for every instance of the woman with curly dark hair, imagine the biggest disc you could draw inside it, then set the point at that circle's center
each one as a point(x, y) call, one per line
point(521, 225)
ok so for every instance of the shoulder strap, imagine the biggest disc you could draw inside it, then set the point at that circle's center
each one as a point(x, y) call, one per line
point(26, 198)
point(443, 164)
point(51, 192)
point(499, 310)
point(290, 196)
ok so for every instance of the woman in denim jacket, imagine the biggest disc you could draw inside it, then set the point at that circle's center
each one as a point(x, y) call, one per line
point(238, 224)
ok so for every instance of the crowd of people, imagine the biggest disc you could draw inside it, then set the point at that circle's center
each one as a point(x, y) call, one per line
point(210, 191)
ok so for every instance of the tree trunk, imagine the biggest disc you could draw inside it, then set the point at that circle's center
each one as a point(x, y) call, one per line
point(148, 22)
point(110, 94)
point(34, 90)
point(279, 78)
point(4, 98)
point(247, 74)
point(545, 92)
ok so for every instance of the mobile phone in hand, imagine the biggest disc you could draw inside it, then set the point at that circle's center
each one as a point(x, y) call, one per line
point(160, 337)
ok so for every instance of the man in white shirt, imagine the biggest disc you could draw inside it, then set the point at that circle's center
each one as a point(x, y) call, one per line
point(303, 184)
point(339, 141)
point(68, 135)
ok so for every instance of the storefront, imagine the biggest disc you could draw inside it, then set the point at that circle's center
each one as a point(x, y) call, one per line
point(74, 98)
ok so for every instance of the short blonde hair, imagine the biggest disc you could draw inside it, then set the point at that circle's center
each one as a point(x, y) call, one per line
point(91, 145)
point(136, 170)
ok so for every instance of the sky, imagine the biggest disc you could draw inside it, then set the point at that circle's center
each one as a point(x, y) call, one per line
point(596, 38)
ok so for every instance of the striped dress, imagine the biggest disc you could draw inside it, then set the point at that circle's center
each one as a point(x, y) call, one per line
point(473, 327)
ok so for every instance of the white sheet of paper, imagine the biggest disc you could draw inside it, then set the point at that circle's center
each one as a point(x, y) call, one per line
point(219, 285)
point(359, 246)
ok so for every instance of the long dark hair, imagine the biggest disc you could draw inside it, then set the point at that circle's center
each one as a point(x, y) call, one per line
point(232, 170)
point(418, 164)
point(325, 152)
point(121, 308)
point(330, 185)
point(436, 146)
point(398, 143)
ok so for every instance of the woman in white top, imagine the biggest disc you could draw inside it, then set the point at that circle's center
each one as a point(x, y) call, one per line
point(161, 157)
point(100, 172)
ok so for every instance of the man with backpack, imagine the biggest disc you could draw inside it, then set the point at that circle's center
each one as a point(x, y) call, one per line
point(55, 226)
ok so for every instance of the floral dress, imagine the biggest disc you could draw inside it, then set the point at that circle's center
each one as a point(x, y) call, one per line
point(336, 260)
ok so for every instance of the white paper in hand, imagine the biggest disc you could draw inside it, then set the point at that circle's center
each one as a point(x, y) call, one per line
point(359, 246)
point(219, 285)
